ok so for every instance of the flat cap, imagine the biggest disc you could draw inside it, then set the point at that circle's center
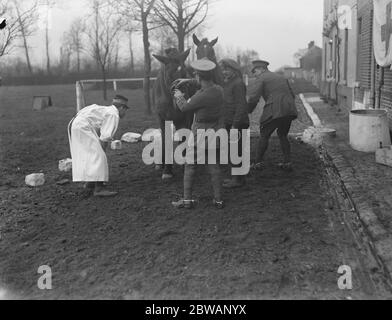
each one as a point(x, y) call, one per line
point(231, 64)
point(203, 65)
point(120, 100)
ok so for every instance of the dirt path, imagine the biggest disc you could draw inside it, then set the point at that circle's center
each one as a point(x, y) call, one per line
point(279, 237)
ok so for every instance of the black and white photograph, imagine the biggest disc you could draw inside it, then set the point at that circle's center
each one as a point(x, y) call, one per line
point(212, 152)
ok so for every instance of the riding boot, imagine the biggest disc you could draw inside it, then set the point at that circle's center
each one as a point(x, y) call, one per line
point(189, 175)
point(215, 173)
point(167, 172)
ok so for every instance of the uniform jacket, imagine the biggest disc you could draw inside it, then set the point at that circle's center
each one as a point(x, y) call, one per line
point(235, 104)
point(278, 95)
point(207, 104)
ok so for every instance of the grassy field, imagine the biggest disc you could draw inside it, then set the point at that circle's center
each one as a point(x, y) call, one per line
point(275, 239)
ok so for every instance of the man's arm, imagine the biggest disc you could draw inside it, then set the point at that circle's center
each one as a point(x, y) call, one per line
point(108, 130)
point(254, 98)
point(241, 110)
point(196, 102)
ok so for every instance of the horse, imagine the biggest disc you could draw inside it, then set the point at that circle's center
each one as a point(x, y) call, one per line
point(173, 68)
point(205, 49)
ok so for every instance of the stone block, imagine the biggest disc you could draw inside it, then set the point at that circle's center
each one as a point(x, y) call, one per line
point(116, 145)
point(131, 137)
point(65, 165)
point(35, 180)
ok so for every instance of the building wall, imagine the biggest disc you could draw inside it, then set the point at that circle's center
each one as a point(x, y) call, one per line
point(365, 85)
point(384, 85)
point(339, 74)
point(365, 43)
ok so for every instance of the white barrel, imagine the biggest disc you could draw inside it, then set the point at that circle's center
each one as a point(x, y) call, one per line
point(369, 130)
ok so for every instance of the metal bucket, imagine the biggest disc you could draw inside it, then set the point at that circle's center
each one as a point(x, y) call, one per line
point(369, 130)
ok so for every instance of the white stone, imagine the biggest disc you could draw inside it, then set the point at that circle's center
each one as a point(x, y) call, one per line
point(131, 137)
point(65, 165)
point(313, 137)
point(116, 145)
point(35, 180)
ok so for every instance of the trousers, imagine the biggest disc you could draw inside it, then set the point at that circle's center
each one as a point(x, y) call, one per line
point(282, 125)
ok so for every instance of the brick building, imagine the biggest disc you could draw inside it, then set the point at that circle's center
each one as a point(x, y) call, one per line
point(351, 76)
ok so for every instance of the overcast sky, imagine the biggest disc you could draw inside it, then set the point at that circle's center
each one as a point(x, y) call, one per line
point(274, 28)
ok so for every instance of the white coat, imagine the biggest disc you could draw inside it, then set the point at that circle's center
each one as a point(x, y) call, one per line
point(91, 125)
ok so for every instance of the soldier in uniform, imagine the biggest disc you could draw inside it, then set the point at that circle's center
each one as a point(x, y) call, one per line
point(278, 114)
point(207, 104)
point(235, 109)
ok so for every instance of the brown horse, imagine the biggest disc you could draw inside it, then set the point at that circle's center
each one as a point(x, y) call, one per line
point(173, 68)
point(205, 49)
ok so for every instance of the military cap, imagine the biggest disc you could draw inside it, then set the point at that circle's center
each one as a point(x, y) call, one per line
point(231, 64)
point(260, 64)
point(118, 99)
point(203, 65)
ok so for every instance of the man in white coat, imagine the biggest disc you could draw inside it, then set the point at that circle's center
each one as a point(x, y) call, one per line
point(90, 133)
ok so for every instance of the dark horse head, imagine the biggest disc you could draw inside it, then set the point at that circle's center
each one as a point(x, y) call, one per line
point(173, 68)
point(205, 49)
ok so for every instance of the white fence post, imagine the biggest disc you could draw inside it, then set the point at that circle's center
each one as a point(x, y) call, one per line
point(80, 102)
point(115, 85)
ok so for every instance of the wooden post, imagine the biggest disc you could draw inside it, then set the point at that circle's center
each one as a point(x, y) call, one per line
point(115, 85)
point(246, 79)
point(80, 102)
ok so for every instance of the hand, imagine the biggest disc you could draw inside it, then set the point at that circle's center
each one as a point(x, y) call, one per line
point(104, 145)
point(178, 94)
point(179, 83)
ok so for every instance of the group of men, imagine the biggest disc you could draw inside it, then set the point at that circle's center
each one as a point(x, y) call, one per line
point(216, 107)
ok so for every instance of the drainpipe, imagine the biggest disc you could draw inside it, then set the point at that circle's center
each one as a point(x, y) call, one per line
point(379, 88)
point(338, 66)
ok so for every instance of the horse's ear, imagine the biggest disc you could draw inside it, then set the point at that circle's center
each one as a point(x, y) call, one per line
point(185, 55)
point(196, 40)
point(214, 42)
point(162, 59)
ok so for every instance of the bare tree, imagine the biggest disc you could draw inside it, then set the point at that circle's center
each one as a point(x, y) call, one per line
point(47, 6)
point(74, 37)
point(182, 16)
point(102, 32)
point(26, 18)
point(131, 53)
point(140, 11)
point(19, 23)
point(65, 56)
point(245, 57)
point(10, 33)
point(165, 37)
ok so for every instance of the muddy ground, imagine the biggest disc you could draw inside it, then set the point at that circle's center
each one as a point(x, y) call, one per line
point(280, 237)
